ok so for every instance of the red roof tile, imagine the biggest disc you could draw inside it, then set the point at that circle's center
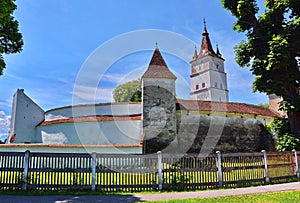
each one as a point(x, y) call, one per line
point(158, 68)
point(92, 119)
point(206, 47)
point(232, 107)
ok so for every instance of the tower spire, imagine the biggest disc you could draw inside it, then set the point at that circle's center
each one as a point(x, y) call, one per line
point(206, 47)
point(195, 53)
point(158, 68)
point(218, 51)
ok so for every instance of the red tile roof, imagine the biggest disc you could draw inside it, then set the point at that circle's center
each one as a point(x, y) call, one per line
point(232, 107)
point(92, 119)
point(206, 47)
point(158, 68)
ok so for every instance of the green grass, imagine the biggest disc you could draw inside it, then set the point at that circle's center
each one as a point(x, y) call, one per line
point(289, 197)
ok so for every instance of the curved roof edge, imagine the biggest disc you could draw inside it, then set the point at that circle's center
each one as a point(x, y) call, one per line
point(86, 105)
point(92, 119)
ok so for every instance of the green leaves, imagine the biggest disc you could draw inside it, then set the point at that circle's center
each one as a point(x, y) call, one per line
point(10, 38)
point(130, 91)
point(272, 48)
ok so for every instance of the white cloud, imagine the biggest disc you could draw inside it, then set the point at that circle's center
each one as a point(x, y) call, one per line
point(92, 93)
point(4, 125)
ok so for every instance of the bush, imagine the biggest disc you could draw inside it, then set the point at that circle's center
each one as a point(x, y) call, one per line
point(285, 140)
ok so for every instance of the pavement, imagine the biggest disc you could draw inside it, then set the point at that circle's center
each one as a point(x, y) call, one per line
point(137, 197)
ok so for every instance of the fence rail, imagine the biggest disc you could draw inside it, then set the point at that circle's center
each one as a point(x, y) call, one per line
point(124, 172)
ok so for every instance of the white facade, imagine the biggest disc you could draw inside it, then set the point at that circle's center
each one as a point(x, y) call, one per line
point(116, 127)
point(26, 115)
point(208, 79)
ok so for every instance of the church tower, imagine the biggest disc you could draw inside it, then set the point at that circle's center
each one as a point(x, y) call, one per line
point(208, 79)
point(159, 105)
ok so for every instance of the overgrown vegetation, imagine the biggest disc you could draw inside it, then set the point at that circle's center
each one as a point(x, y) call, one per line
point(286, 141)
point(271, 49)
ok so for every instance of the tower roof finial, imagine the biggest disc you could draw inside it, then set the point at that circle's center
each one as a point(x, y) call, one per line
point(156, 45)
point(204, 22)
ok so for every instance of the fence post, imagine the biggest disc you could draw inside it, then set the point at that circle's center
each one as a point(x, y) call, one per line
point(296, 163)
point(159, 168)
point(219, 164)
point(94, 171)
point(267, 179)
point(26, 166)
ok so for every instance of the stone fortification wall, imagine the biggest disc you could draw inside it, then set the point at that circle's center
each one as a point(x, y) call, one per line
point(159, 114)
point(209, 133)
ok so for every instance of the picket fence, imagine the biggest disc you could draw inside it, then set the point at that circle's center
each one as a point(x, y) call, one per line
point(125, 172)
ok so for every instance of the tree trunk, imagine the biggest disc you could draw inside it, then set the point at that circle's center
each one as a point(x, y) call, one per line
point(294, 120)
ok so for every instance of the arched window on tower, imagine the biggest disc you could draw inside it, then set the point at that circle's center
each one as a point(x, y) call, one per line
point(203, 84)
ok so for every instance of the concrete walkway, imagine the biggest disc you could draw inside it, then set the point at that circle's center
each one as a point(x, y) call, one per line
point(149, 197)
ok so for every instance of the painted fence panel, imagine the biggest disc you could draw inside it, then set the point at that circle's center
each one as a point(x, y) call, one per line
point(242, 168)
point(124, 172)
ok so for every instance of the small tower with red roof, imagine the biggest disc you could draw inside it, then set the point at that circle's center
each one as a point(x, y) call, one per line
point(208, 79)
point(159, 105)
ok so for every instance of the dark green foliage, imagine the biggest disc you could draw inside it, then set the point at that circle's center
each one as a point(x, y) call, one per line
point(280, 126)
point(128, 92)
point(271, 49)
point(10, 37)
point(137, 96)
point(286, 141)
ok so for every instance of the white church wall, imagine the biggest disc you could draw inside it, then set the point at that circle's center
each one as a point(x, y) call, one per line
point(108, 109)
point(26, 115)
point(92, 133)
point(55, 148)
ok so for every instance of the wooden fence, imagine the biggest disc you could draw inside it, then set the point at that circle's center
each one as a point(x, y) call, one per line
point(120, 172)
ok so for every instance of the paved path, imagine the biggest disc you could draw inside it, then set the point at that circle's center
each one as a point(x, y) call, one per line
point(149, 197)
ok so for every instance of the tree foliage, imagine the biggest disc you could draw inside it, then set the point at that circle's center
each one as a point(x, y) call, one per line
point(10, 37)
point(272, 49)
point(285, 140)
point(128, 92)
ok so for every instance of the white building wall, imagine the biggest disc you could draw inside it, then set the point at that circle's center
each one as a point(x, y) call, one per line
point(26, 115)
point(92, 133)
point(210, 71)
point(44, 148)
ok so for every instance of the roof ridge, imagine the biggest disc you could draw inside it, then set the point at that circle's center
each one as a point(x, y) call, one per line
point(158, 68)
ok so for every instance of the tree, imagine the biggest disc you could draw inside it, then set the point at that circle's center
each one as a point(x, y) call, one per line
point(285, 140)
point(272, 49)
point(263, 105)
point(10, 37)
point(129, 91)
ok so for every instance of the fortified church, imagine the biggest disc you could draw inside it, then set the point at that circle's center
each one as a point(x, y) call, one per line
point(206, 122)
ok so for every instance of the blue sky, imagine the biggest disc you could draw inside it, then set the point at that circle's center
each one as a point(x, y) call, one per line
point(68, 43)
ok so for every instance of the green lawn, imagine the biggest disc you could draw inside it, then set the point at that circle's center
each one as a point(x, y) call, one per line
point(289, 197)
